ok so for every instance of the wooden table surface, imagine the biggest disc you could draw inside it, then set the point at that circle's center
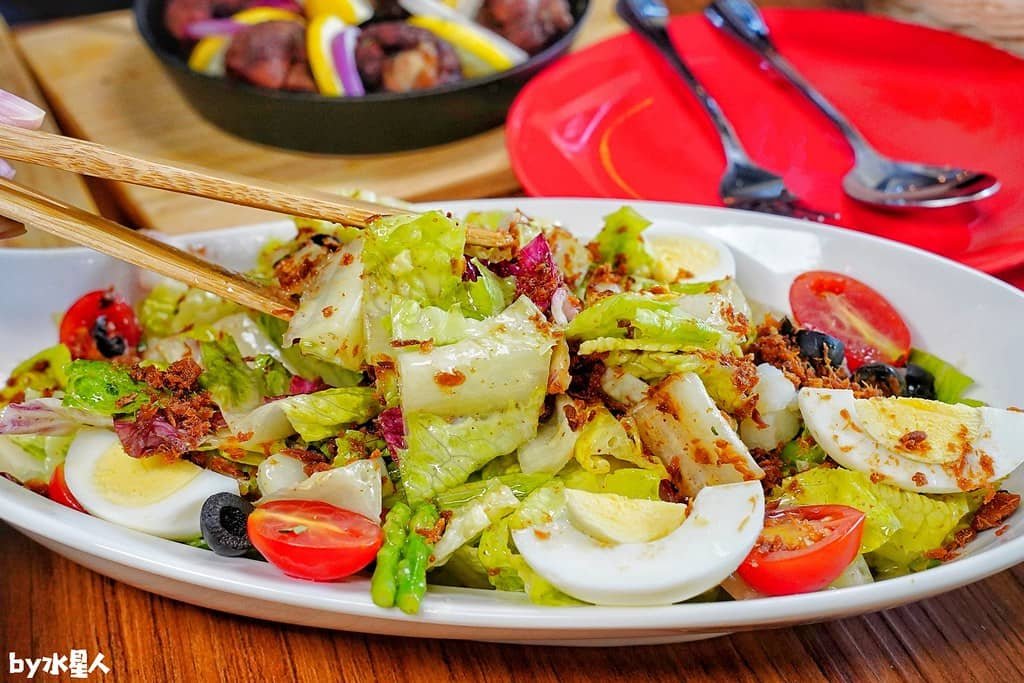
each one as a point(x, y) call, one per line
point(49, 604)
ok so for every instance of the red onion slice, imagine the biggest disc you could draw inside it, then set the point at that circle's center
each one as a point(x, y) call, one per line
point(343, 50)
point(204, 28)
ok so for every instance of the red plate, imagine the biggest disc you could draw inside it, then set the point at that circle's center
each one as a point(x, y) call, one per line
point(614, 121)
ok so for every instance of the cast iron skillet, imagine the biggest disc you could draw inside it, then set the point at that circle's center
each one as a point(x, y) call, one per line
point(375, 123)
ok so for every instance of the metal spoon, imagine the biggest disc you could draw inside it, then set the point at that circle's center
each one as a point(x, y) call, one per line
point(744, 185)
point(874, 178)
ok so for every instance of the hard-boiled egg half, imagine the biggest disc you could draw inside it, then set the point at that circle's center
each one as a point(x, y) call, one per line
point(609, 550)
point(690, 255)
point(151, 495)
point(915, 444)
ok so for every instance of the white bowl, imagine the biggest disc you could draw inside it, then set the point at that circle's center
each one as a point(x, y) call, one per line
point(964, 316)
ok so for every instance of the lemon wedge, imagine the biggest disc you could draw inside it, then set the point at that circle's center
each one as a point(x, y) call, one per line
point(208, 55)
point(352, 12)
point(464, 38)
point(321, 34)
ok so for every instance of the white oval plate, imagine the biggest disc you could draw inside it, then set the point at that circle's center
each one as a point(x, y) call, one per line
point(966, 317)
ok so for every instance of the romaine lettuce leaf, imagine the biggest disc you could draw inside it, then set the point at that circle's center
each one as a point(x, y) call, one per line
point(326, 413)
point(727, 380)
point(102, 387)
point(488, 294)
point(462, 569)
point(632, 482)
point(443, 451)
point(644, 319)
point(306, 367)
point(470, 520)
point(171, 308)
point(621, 243)
point(464, 494)
point(235, 386)
point(42, 372)
point(411, 322)
point(328, 323)
point(503, 359)
point(603, 436)
point(925, 522)
point(418, 258)
point(495, 554)
point(950, 383)
point(555, 443)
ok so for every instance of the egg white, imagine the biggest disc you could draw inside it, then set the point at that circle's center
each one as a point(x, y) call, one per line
point(722, 527)
point(833, 420)
point(175, 516)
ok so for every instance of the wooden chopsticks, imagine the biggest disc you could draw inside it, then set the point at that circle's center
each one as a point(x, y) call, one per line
point(93, 159)
point(113, 239)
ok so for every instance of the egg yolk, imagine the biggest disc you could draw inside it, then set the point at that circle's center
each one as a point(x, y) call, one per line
point(134, 482)
point(925, 431)
point(682, 258)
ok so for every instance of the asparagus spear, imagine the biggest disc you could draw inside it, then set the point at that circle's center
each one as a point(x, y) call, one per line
point(383, 585)
point(412, 568)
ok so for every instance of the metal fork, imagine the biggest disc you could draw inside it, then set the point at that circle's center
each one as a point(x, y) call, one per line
point(744, 185)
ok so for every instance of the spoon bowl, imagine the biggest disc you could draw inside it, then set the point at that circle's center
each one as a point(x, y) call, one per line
point(874, 178)
point(908, 184)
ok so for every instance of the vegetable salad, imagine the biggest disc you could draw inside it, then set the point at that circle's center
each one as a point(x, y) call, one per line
point(606, 422)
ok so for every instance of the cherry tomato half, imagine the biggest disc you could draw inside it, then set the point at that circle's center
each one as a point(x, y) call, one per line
point(100, 325)
point(314, 540)
point(59, 492)
point(857, 315)
point(803, 549)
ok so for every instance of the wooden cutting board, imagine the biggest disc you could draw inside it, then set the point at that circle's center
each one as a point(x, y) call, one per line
point(104, 85)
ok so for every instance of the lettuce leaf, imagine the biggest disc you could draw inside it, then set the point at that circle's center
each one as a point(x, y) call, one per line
point(718, 375)
point(171, 308)
point(621, 243)
point(233, 384)
point(326, 413)
point(644, 319)
point(631, 482)
point(554, 445)
point(486, 295)
point(443, 451)
point(102, 387)
point(417, 258)
point(495, 554)
point(950, 383)
point(925, 522)
point(470, 520)
point(328, 324)
point(603, 436)
point(306, 367)
point(464, 494)
point(503, 359)
point(462, 569)
point(411, 322)
point(43, 372)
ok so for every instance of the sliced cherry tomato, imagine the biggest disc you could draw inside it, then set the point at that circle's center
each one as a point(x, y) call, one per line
point(100, 325)
point(314, 540)
point(803, 549)
point(58, 490)
point(857, 315)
